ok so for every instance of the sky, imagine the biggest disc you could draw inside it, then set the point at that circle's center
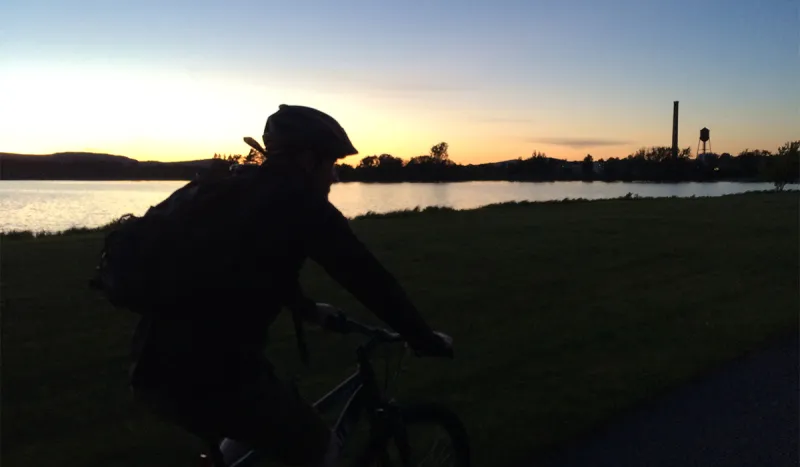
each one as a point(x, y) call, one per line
point(182, 80)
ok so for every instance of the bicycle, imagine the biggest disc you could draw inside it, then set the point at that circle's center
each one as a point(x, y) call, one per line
point(361, 394)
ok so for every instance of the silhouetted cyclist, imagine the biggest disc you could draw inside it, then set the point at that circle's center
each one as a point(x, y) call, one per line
point(206, 370)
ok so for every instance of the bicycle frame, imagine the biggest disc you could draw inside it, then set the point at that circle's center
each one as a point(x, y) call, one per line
point(349, 392)
point(360, 394)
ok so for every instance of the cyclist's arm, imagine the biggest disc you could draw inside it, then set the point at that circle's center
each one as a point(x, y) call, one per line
point(332, 244)
point(298, 302)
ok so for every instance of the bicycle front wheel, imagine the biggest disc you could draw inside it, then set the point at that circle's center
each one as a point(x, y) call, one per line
point(435, 436)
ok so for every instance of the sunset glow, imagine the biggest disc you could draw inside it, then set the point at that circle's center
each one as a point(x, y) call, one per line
point(183, 82)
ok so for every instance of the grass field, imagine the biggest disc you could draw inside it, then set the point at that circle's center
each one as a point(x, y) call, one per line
point(563, 315)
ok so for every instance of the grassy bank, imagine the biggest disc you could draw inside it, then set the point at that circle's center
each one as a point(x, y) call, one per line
point(563, 314)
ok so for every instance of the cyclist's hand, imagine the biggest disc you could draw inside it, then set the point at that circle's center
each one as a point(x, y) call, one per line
point(440, 345)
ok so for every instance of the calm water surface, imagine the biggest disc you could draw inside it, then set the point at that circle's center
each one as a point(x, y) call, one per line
point(57, 205)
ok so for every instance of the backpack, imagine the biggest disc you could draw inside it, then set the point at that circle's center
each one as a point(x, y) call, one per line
point(162, 257)
point(180, 245)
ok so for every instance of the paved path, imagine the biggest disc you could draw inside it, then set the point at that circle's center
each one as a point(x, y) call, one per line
point(746, 414)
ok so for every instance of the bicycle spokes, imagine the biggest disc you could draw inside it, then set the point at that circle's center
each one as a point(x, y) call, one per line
point(438, 454)
point(425, 448)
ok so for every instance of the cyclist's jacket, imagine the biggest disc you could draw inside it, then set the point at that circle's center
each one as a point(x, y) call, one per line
point(223, 332)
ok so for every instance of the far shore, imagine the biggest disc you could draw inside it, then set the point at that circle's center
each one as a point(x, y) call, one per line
point(380, 182)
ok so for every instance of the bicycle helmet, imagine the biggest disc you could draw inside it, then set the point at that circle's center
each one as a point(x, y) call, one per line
point(299, 127)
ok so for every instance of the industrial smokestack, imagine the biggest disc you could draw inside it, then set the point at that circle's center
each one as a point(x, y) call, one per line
point(675, 130)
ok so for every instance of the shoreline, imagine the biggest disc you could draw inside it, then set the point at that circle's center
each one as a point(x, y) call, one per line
point(29, 234)
point(432, 182)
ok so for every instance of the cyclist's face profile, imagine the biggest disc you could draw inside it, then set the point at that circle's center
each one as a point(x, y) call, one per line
point(324, 174)
point(322, 170)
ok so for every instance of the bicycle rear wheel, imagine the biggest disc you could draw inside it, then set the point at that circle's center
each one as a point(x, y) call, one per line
point(449, 445)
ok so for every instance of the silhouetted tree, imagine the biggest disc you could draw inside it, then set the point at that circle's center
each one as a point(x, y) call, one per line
point(381, 168)
point(439, 152)
point(785, 166)
point(233, 158)
point(389, 162)
point(750, 163)
point(346, 172)
point(588, 166)
point(253, 157)
point(368, 162)
point(421, 160)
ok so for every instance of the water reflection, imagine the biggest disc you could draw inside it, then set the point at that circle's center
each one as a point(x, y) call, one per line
point(57, 205)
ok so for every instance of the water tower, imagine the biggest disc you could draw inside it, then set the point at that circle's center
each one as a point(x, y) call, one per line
point(705, 137)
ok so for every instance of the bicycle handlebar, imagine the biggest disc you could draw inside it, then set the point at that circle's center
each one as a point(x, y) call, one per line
point(341, 323)
point(335, 320)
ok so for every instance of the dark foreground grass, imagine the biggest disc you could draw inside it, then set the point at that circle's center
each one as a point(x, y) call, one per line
point(563, 314)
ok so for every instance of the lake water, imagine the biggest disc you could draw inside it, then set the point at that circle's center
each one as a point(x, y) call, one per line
point(57, 205)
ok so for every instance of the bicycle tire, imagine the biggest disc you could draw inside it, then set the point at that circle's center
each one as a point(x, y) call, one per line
point(427, 414)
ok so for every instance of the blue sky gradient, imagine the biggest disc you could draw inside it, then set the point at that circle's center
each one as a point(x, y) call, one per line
point(496, 80)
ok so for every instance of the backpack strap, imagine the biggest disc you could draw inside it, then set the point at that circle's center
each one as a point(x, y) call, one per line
point(300, 306)
point(300, 334)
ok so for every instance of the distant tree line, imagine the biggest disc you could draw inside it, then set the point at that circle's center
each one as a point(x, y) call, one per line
point(252, 157)
point(647, 164)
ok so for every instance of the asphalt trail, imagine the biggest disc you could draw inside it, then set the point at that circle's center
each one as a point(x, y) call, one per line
point(745, 414)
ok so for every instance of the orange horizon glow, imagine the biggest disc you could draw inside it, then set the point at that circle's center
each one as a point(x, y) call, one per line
point(174, 117)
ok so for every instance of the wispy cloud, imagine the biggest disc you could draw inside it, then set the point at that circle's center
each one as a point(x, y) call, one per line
point(503, 120)
point(579, 143)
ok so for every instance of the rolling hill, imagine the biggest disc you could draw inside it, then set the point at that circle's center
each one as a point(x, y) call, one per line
point(93, 166)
